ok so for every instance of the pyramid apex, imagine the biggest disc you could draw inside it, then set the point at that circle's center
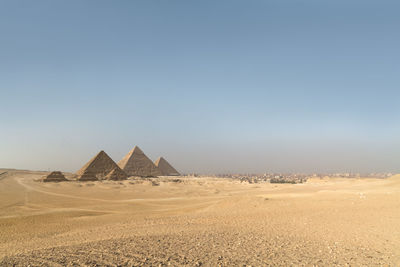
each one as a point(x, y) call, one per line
point(100, 153)
point(136, 149)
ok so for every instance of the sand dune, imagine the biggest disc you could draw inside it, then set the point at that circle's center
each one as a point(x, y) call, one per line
point(198, 221)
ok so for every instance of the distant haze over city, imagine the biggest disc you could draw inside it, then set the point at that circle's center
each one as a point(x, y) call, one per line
point(212, 86)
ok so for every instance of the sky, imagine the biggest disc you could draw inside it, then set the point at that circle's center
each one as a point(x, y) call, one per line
point(213, 86)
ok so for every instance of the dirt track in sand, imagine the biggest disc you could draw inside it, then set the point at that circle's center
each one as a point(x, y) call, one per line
point(198, 221)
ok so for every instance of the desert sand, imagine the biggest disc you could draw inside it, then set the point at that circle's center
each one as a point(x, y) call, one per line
point(198, 222)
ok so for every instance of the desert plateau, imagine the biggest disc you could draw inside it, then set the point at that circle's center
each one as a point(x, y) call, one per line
point(198, 221)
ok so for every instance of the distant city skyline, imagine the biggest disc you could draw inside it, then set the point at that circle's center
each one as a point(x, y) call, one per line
point(212, 86)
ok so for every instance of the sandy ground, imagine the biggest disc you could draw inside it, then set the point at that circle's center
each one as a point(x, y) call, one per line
point(198, 222)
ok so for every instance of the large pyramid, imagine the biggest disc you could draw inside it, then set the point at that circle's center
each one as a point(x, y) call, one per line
point(136, 163)
point(100, 167)
point(165, 168)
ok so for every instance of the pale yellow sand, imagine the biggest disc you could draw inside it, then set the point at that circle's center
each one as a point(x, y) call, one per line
point(198, 221)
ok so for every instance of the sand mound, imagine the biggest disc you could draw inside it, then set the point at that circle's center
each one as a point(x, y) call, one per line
point(166, 168)
point(395, 177)
point(136, 163)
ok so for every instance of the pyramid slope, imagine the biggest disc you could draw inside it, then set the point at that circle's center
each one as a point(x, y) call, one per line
point(97, 168)
point(55, 176)
point(116, 174)
point(166, 168)
point(136, 163)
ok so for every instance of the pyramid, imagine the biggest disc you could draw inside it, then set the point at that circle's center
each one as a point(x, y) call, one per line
point(55, 176)
point(116, 174)
point(98, 168)
point(166, 168)
point(136, 163)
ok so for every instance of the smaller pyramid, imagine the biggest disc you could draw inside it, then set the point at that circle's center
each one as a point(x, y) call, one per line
point(136, 163)
point(166, 168)
point(55, 176)
point(116, 174)
point(98, 168)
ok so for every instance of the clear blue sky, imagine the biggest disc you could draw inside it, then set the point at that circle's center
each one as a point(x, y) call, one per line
point(214, 86)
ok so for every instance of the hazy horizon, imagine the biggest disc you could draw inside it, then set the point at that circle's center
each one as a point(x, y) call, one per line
point(214, 87)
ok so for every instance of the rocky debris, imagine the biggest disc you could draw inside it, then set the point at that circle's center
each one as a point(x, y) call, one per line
point(155, 183)
point(218, 248)
point(283, 180)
